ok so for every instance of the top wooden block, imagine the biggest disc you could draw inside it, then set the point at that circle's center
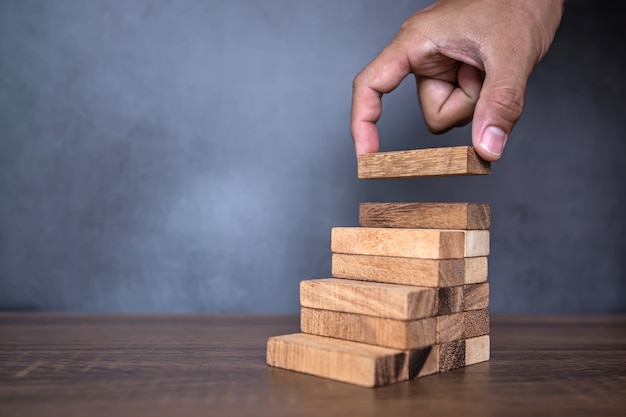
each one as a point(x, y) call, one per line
point(432, 162)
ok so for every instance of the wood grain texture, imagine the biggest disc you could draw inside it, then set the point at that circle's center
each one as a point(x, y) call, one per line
point(476, 296)
point(451, 355)
point(398, 270)
point(355, 363)
point(450, 300)
point(477, 349)
point(159, 365)
point(420, 163)
point(476, 323)
point(450, 328)
point(400, 302)
point(476, 270)
point(455, 216)
point(410, 243)
point(396, 334)
point(423, 362)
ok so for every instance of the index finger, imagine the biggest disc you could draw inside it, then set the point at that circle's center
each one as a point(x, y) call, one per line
point(379, 77)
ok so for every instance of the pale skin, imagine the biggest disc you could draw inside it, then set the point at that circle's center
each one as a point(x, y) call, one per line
point(471, 60)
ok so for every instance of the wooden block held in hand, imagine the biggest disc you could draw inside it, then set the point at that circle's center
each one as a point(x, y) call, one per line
point(455, 216)
point(451, 355)
point(476, 323)
point(432, 162)
point(450, 328)
point(450, 300)
point(477, 349)
point(476, 296)
point(400, 302)
point(396, 334)
point(398, 270)
point(351, 362)
point(410, 243)
point(476, 270)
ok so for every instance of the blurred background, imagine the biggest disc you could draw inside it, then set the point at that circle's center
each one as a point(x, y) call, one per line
point(193, 156)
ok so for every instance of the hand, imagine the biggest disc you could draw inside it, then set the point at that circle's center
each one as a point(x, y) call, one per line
point(471, 60)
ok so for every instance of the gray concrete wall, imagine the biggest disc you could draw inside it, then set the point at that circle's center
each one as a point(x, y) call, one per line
point(192, 156)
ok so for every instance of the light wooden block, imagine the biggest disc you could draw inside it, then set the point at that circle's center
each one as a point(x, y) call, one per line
point(476, 243)
point(351, 362)
point(476, 296)
point(450, 300)
point(476, 323)
point(397, 334)
point(477, 349)
point(400, 302)
point(397, 270)
point(410, 243)
point(451, 355)
point(432, 162)
point(476, 270)
point(450, 328)
point(456, 216)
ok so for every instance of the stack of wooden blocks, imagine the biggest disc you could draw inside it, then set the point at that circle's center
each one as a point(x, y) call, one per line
point(409, 295)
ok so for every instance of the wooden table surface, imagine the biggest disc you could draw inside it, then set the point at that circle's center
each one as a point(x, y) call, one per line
point(205, 365)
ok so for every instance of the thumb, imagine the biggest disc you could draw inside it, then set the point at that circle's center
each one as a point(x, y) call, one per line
point(497, 110)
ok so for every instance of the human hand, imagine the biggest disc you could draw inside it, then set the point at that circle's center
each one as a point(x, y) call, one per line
point(471, 60)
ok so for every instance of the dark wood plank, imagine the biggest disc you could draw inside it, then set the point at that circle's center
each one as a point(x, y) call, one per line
point(450, 300)
point(476, 323)
point(451, 355)
point(476, 296)
point(463, 216)
point(156, 365)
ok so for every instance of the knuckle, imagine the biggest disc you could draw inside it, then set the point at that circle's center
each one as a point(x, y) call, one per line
point(436, 124)
point(509, 103)
point(358, 80)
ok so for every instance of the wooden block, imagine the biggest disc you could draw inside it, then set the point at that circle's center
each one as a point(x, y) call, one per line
point(450, 300)
point(451, 355)
point(477, 349)
point(410, 243)
point(432, 162)
point(397, 270)
point(450, 328)
point(351, 362)
point(423, 362)
point(476, 270)
point(476, 323)
point(397, 334)
point(476, 243)
point(476, 296)
point(400, 302)
point(456, 216)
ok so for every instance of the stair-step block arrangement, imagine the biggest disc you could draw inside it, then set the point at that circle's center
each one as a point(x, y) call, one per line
point(408, 296)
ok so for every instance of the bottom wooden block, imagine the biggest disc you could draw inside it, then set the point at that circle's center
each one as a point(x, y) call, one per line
point(477, 349)
point(341, 360)
point(451, 355)
point(367, 365)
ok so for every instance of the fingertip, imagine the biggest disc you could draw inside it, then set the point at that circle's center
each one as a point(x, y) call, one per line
point(489, 144)
point(365, 139)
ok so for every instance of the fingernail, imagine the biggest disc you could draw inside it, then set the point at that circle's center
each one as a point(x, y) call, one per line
point(493, 140)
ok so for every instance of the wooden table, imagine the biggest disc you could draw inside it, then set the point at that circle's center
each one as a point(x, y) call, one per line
point(182, 365)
